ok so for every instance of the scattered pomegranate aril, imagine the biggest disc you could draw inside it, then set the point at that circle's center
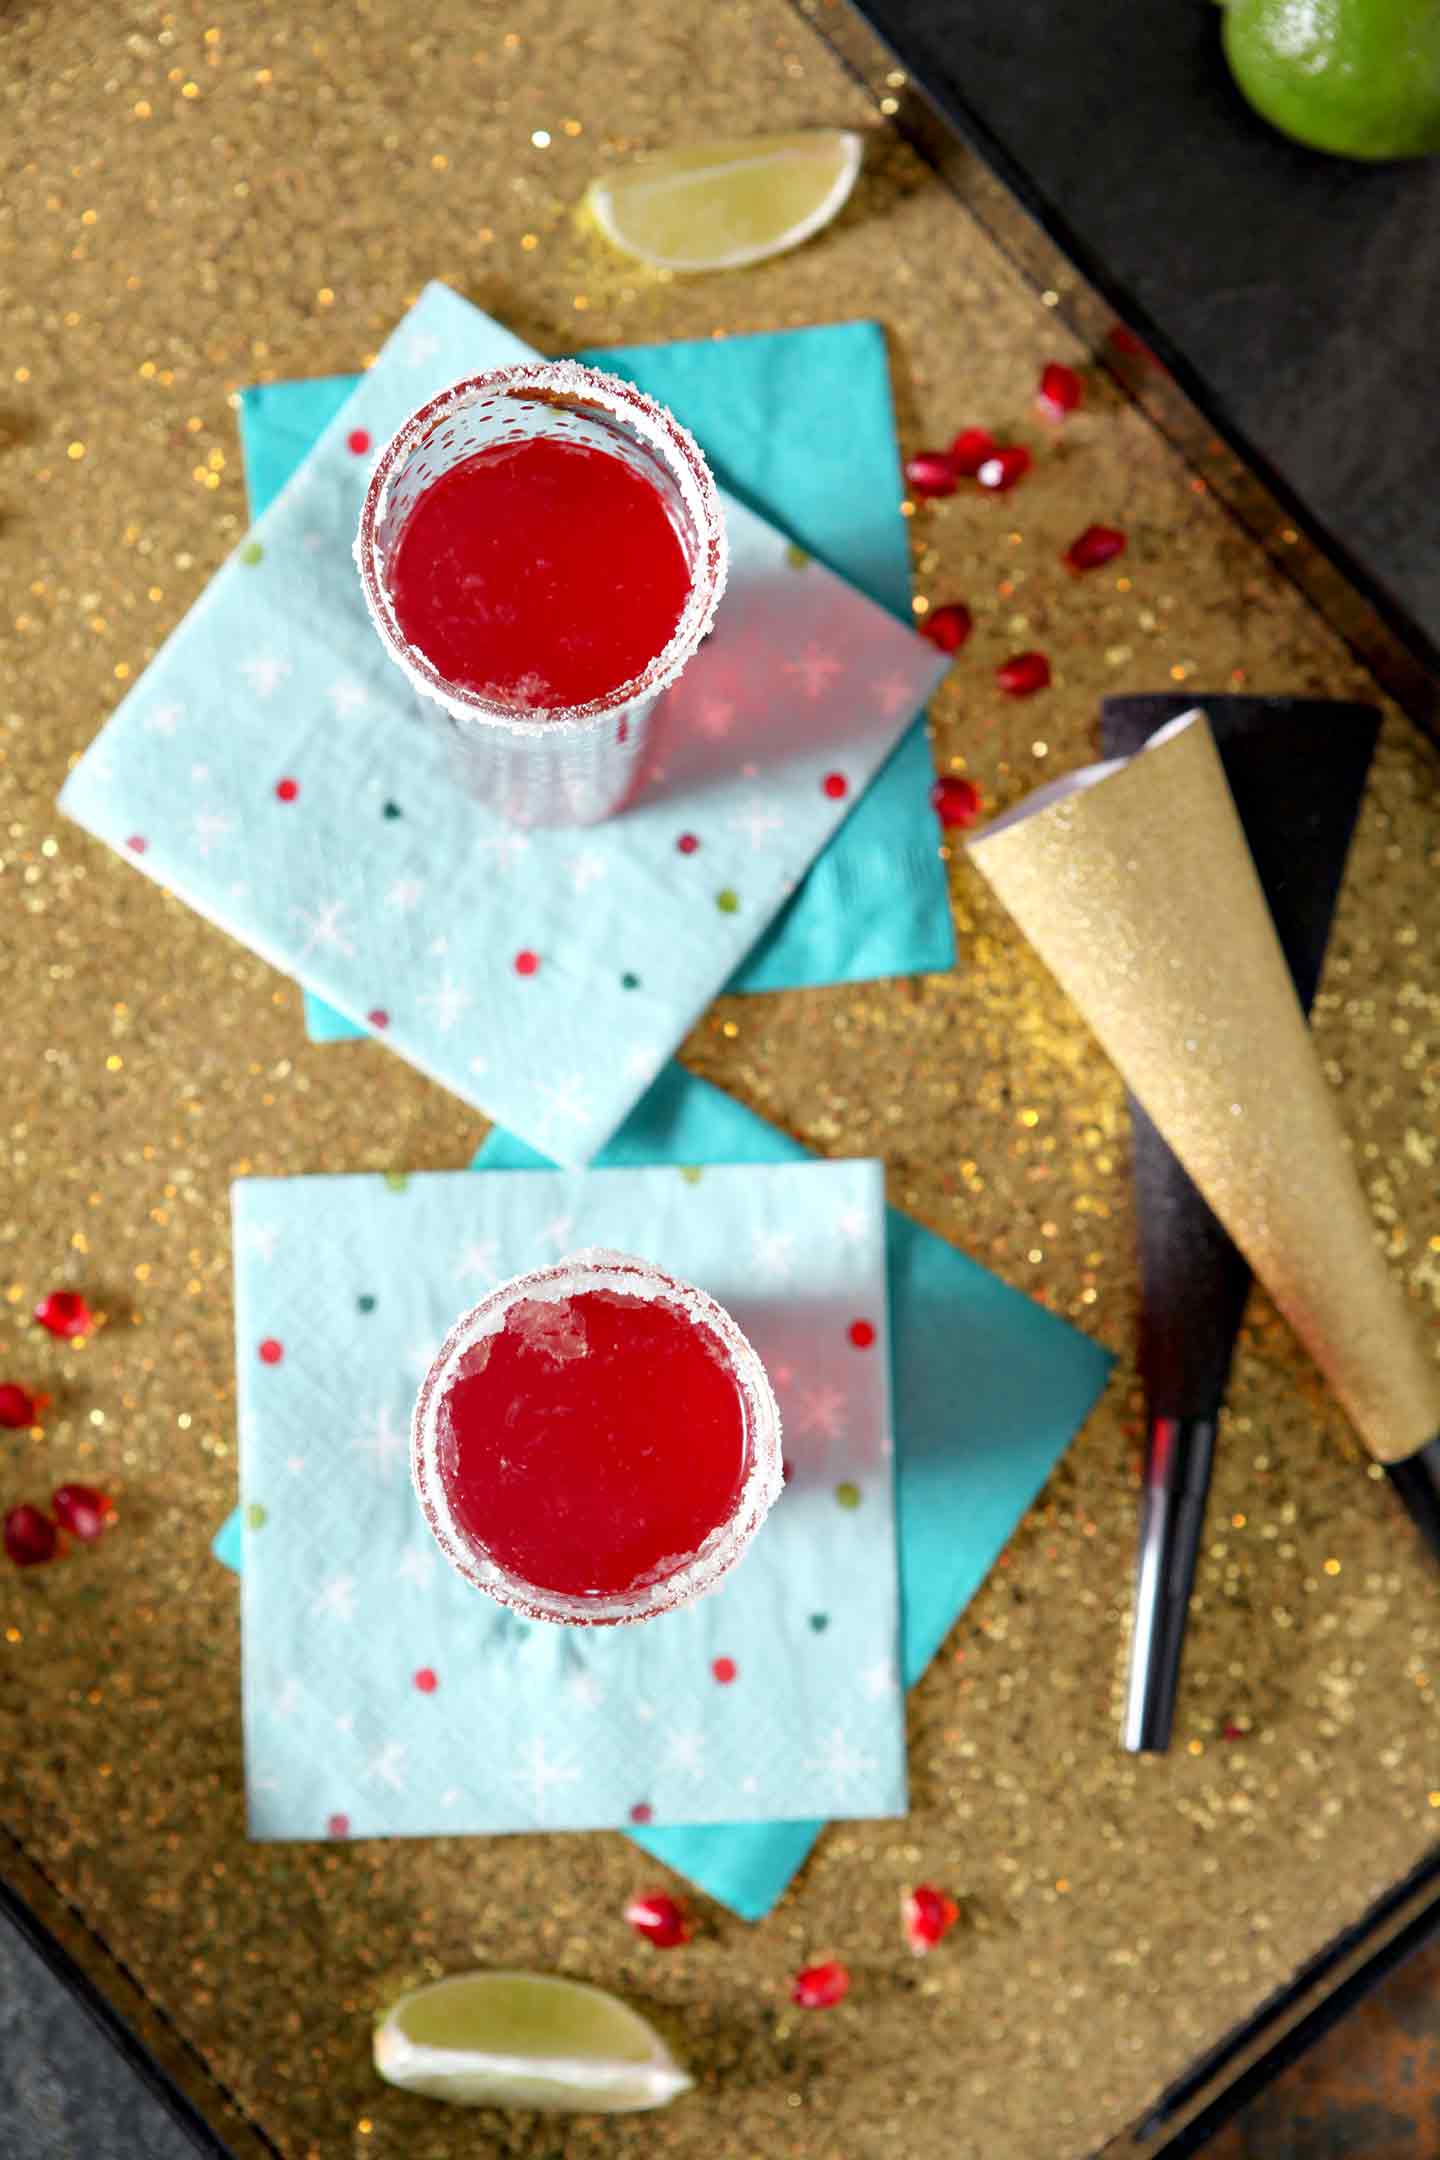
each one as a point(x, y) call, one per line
point(18, 1409)
point(661, 1919)
point(931, 472)
point(955, 801)
point(820, 1987)
point(65, 1313)
point(30, 1537)
point(84, 1510)
point(1005, 469)
point(1060, 391)
point(1023, 674)
point(1097, 545)
point(948, 626)
point(928, 1916)
point(970, 449)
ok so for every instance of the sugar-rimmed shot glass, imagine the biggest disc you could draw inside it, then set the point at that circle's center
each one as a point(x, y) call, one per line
point(551, 764)
point(596, 1442)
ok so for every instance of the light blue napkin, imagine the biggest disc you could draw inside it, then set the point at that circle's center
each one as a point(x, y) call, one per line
point(276, 771)
point(988, 1390)
point(381, 1690)
point(797, 423)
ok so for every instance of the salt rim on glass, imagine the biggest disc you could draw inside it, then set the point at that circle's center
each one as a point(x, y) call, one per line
point(596, 1268)
point(635, 423)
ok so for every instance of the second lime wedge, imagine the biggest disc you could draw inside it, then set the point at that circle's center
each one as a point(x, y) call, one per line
point(526, 2040)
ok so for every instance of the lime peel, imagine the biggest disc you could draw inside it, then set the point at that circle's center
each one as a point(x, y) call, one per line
point(526, 2040)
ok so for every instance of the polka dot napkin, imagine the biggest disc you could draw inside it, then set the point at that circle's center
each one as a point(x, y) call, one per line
point(273, 769)
point(385, 1697)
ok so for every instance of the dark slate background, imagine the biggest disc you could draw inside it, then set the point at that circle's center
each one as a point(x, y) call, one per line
point(1303, 291)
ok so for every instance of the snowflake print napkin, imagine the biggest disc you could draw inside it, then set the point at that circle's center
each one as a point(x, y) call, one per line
point(800, 424)
point(273, 769)
point(385, 1697)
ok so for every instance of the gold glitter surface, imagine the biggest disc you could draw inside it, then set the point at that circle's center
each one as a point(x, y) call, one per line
point(269, 187)
point(1139, 894)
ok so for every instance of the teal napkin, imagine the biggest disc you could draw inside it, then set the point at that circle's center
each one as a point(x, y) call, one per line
point(797, 423)
point(988, 1389)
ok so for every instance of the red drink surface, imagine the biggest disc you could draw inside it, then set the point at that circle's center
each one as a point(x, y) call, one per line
point(594, 1442)
point(543, 571)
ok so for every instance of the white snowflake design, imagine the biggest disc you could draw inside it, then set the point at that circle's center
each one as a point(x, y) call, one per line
point(447, 1001)
point(265, 673)
point(757, 821)
point(479, 1261)
point(821, 1411)
point(325, 929)
point(382, 1442)
point(894, 694)
point(387, 1766)
point(685, 1755)
point(404, 894)
point(348, 697)
point(564, 1102)
point(715, 718)
point(210, 826)
point(773, 1252)
point(536, 1775)
point(335, 1598)
point(163, 719)
point(416, 1565)
point(840, 1763)
point(587, 869)
point(814, 671)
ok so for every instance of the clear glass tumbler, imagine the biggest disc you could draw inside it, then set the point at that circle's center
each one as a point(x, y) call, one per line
point(607, 1463)
point(569, 765)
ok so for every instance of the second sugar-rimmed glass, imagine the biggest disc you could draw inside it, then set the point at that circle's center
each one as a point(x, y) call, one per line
point(596, 1442)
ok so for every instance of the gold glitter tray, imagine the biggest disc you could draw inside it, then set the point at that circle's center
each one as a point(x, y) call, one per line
point(197, 201)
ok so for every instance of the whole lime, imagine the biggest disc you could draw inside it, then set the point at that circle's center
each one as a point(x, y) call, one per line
point(1360, 78)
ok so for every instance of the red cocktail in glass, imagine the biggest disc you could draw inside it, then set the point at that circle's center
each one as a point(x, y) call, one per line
point(542, 550)
point(596, 1442)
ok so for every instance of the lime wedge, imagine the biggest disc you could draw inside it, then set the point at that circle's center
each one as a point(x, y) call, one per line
point(718, 205)
point(526, 2040)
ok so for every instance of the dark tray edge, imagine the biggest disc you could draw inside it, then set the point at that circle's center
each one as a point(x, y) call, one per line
point(979, 170)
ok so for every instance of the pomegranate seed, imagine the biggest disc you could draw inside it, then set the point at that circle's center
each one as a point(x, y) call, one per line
point(65, 1313)
point(971, 447)
point(30, 1537)
point(948, 626)
point(527, 963)
point(83, 1509)
point(836, 786)
point(861, 1333)
point(357, 442)
point(726, 1671)
point(17, 1409)
point(956, 801)
point(928, 1916)
point(1023, 675)
point(1005, 469)
point(931, 472)
point(1098, 544)
point(642, 1812)
point(1060, 391)
point(661, 1919)
point(820, 1987)
point(337, 1826)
